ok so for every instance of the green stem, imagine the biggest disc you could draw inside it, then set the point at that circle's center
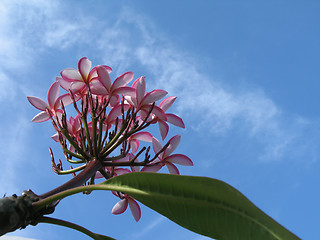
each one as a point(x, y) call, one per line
point(73, 170)
point(60, 195)
point(72, 226)
point(73, 143)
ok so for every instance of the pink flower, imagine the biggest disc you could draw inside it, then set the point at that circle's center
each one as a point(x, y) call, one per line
point(133, 140)
point(171, 118)
point(122, 205)
point(142, 101)
point(166, 159)
point(104, 87)
point(54, 103)
point(78, 81)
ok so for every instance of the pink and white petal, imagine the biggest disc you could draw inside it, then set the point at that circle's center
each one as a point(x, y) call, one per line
point(98, 175)
point(120, 206)
point(77, 86)
point(84, 66)
point(172, 168)
point(167, 103)
point(71, 75)
point(143, 136)
point(92, 74)
point(66, 85)
point(55, 137)
point(179, 159)
point(131, 100)
point(41, 117)
point(154, 168)
point(97, 87)
point(135, 209)
point(126, 91)
point(122, 80)
point(153, 96)
point(66, 100)
point(164, 128)
point(140, 86)
point(38, 103)
point(135, 168)
point(53, 94)
point(104, 77)
point(117, 111)
point(134, 145)
point(121, 171)
point(157, 146)
point(175, 120)
point(174, 142)
point(159, 113)
point(109, 69)
point(114, 100)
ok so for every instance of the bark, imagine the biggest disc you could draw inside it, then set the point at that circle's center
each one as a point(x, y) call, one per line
point(17, 212)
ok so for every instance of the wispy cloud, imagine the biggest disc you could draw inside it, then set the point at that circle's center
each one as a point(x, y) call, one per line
point(148, 228)
point(206, 101)
point(15, 238)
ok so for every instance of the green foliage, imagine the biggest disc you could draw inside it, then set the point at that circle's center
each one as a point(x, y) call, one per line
point(203, 205)
point(206, 206)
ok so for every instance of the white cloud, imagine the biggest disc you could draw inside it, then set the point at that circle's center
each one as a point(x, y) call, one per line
point(15, 238)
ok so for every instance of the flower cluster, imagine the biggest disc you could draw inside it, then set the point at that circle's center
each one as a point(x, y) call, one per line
point(109, 125)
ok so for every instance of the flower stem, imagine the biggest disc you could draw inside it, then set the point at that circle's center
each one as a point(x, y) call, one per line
point(91, 168)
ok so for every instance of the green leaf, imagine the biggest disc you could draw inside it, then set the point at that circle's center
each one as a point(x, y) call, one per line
point(203, 205)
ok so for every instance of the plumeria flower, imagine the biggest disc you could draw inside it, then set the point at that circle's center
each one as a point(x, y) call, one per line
point(133, 140)
point(171, 118)
point(112, 90)
point(53, 105)
point(166, 159)
point(79, 80)
point(142, 101)
point(122, 205)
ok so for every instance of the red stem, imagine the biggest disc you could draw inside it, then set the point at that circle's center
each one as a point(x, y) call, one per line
point(91, 168)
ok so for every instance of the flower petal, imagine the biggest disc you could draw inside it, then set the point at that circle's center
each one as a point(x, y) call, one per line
point(53, 94)
point(164, 128)
point(66, 85)
point(172, 168)
point(104, 77)
point(134, 145)
point(143, 136)
point(126, 91)
point(84, 66)
point(156, 146)
point(135, 209)
point(41, 117)
point(77, 86)
point(179, 159)
point(71, 75)
point(117, 111)
point(97, 87)
point(120, 206)
point(140, 86)
point(175, 120)
point(174, 142)
point(154, 168)
point(153, 96)
point(122, 80)
point(167, 103)
point(38, 103)
point(156, 111)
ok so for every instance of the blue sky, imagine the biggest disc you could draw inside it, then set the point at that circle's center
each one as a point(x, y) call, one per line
point(247, 80)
